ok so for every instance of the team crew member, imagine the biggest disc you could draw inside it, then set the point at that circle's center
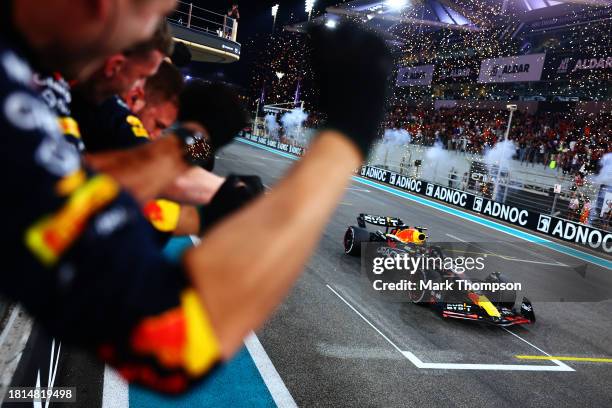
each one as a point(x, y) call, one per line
point(77, 254)
point(156, 102)
point(56, 92)
point(105, 120)
point(107, 123)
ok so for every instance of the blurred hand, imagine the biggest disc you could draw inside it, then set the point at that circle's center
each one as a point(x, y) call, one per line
point(216, 107)
point(235, 192)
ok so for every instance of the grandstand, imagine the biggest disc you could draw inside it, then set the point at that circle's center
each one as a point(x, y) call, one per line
point(460, 64)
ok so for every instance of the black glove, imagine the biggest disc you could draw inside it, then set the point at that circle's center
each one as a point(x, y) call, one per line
point(234, 193)
point(216, 107)
point(352, 67)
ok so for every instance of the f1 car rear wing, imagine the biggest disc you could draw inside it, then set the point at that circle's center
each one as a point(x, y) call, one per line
point(388, 222)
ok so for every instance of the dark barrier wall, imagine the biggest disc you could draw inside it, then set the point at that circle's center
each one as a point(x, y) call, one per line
point(565, 230)
point(283, 147)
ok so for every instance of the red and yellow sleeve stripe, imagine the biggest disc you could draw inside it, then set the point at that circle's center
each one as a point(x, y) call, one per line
point(163, 214)
point(180, 338)
point(51, 236)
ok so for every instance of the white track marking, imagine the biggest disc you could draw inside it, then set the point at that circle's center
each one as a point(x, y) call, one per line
point(256, 157)
point(509, 258)
point(459, 366)
point(53, 367)
point(280, 394)
point(115, 393)
point(364, 319)
point(361, 190)
point(525, 341)
point(9, 324)
point(494, 367)
point(558, 362)
point(53, 364)
point(456, 238)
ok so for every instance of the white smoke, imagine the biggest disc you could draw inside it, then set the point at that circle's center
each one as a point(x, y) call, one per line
point(396, 137)
point(272, 125)
point(605, 174)
point(292, 122)
point(436, 152)
point(437, 163)
point(500, 154)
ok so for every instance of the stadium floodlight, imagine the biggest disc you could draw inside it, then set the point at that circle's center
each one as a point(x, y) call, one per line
point(280, 75)
point(309, 6)
point(331, 23)
point(396, 4)
point(512, 108)
point(274, 13)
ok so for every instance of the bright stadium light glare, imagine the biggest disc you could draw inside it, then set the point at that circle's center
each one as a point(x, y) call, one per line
point(274, 10)
point(331, 23)
point(280, 75)
point(396, 4)
point(309, 5)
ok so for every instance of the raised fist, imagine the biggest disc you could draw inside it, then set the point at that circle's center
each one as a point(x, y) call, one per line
point(352, 68)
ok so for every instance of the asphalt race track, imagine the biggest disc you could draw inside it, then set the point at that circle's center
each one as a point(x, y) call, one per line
point(336, 343)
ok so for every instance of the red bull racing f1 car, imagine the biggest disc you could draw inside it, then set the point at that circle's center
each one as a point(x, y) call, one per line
point(494, 307)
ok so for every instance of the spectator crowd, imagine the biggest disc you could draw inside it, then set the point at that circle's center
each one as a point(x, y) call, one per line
point(563, 141)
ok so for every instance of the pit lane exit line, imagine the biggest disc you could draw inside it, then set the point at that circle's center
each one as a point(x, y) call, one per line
point(583, 256)
point(559, 366)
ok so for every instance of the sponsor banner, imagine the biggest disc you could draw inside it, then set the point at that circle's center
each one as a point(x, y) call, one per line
point(596, 64)
point(568, 20)
point(565, 230)
point(275, 144)
point(456, 71)
point(415, 76)
point(519, 68)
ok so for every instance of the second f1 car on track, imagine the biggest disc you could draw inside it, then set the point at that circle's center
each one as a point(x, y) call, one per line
point(397, 238)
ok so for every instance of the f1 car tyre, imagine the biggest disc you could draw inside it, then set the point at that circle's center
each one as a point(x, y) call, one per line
point(421, 296)
point(353, 238)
